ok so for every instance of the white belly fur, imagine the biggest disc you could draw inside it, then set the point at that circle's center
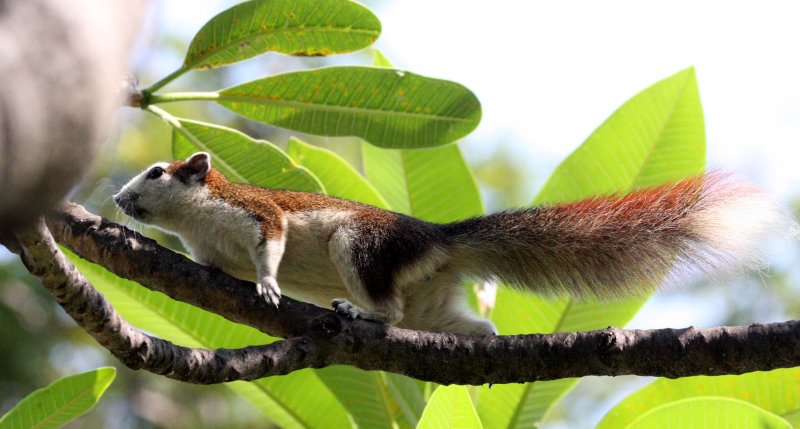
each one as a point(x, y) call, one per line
point(306, 271)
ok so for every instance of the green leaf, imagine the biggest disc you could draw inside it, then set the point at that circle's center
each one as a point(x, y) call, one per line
point(363, 393)
point(432, 184)
point(522, 405)
point(656, 136)
point(241, 158)
point(388, 108)
point(420, 182)
point(62, 401)
point(408, 394)
point(282, 399)
point(708, 412)
point(449, 408)
point(298, 400)
point(305, 27)
point(338, 177)
point(775, 391)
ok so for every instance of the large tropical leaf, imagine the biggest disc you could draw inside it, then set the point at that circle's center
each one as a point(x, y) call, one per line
point(449, 408)
point(656, 136)
point(776, 391)
point(364, 394)
point(708, 412)
point(408, 394)
point(295, 27)
point(338, 177)
point(282, 399)
point(432, 184)
point(62, 401)
point(388, 108)
point(298, 400)
point(241, 158)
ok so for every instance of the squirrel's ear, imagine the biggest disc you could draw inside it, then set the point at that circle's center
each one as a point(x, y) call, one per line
point(198, 165)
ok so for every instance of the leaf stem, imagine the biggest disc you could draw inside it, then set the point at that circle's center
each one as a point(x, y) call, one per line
point(172, 121)
point(182, 96)
point(167, 79)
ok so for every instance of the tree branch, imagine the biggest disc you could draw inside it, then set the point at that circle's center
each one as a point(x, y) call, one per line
point(134, 348)
point(319, 337)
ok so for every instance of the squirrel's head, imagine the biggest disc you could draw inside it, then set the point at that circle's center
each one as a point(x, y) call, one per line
point(164, 190)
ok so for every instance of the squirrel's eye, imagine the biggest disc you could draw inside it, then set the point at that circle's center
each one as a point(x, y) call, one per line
point(155, 173)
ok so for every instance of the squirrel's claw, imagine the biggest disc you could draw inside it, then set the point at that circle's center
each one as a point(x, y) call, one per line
point(268, 290)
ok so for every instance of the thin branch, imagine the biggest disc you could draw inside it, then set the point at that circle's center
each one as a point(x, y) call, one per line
point(323, 338)
point(167, 79)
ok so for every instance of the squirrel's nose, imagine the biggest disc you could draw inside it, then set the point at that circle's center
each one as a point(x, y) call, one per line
point(125, 198)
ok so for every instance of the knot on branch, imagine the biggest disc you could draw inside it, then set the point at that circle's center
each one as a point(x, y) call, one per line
point(326, 326)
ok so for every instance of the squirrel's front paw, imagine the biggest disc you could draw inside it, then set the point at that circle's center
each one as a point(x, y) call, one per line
point(268, 289)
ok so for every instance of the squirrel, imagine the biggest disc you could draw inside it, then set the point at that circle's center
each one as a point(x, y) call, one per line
point(395, 269)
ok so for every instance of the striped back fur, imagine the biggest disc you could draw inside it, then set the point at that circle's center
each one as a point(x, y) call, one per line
point(618, 246)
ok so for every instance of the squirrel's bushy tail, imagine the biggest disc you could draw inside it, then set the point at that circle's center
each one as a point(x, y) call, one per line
point(616, 246)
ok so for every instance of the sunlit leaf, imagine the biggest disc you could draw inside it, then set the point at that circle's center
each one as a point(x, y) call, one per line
point(282, 399)
point(243, 159)
point(62, 401)
point(708, 412)
point(338, 177)
point(388, 108)
point(449, 408)
point(294, 27)
point(656, 136)
point(408, 395)
point(363, 393)
point(776, 391)
point(432, 184)
point(298, 400)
